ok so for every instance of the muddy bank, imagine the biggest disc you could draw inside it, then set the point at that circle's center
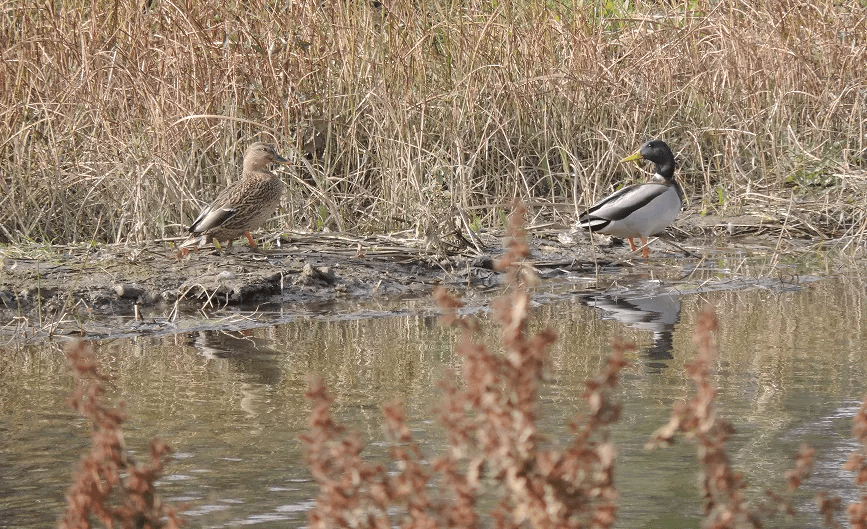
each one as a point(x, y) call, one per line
point(118, 281)
point(77, 291)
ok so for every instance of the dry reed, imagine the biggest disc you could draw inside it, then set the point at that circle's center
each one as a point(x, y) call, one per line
point(119, 118)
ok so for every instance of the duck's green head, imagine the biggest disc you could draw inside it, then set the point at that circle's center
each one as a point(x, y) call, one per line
point(658, 152)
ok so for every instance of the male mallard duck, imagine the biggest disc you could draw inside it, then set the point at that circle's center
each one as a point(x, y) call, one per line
point(640, 210)
point(244, 205)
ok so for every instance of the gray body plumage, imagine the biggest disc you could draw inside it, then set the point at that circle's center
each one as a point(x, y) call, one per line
point(640, 210)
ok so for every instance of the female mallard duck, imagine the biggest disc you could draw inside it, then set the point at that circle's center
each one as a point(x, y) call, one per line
point(640, 210)
point(245, 205)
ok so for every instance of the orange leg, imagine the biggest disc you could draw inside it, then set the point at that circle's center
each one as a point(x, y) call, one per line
point(645, 250)
point(631, 244)
point(250, 239)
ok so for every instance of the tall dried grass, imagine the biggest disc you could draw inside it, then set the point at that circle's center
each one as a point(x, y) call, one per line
point(119, 117)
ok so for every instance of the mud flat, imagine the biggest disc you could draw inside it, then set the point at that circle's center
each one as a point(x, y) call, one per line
point(60, 291)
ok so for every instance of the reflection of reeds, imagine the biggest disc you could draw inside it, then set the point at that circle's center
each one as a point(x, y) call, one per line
point(491, 98)
point(109, 484)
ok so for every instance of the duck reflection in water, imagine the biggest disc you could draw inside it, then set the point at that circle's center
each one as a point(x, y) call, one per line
point(655, 312)
point(259, 365)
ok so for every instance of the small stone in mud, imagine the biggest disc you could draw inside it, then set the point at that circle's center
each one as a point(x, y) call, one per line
point(127, 291)
point(310, 274)
point(484, 261)
point(169, 296)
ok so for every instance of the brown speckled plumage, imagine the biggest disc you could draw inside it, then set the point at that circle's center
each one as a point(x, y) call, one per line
point(244, 205)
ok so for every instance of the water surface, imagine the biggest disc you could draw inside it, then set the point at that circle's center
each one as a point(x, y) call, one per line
point(792, 369)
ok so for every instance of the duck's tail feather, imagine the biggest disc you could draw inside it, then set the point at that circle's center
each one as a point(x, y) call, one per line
point(593, 223)
point(198, 240)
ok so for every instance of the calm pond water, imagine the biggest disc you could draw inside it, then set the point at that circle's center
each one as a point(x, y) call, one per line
point(792, 369)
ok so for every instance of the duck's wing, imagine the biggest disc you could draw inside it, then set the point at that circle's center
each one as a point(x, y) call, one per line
point(216, 213)
point(624, 202)
point(212, 218)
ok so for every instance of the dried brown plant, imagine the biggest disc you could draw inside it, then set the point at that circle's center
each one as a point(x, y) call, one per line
point(857, 512)
point(495, 449)
point(109, 484)
point(779, 502)
point(829, 506)
point(725, 503)
point(726, 506)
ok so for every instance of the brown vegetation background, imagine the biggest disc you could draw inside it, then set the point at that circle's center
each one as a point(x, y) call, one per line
point(119, 118)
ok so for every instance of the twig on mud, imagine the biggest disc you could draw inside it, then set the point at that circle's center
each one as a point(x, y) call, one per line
point(679, 247)
point(21, 325)
point(175, 312)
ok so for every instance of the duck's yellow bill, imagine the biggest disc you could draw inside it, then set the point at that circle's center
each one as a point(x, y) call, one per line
point(636, 156)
